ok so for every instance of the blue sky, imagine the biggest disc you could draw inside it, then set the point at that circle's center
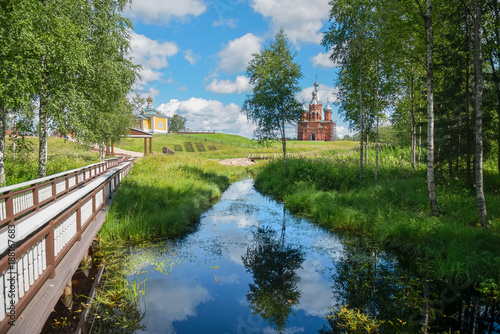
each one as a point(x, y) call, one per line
point(194, 54)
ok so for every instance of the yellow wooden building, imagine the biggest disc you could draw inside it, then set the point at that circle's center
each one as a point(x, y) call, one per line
point(150, 120)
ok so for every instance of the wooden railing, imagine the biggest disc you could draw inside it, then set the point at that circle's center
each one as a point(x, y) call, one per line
point(20, 199)
point(33, 240)
point(196, 132)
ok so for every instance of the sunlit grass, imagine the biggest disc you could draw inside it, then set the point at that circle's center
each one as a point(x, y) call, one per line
point(62, 155)
point(226, 146)
point(163, 196)
point(394, 210)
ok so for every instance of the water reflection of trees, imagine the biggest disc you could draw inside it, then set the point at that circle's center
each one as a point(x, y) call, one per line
point(369, 281)
point(273, 266)
point(400, 297)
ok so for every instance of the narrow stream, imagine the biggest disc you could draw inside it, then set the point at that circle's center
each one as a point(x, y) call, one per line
point(251, 267)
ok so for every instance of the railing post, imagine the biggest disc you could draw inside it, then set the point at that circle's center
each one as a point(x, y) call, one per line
point(66, 180)
point(93, 203)
point(79, 220)
point(35, 198)
point(49, 251)
point(54, 193)
point(9, 207)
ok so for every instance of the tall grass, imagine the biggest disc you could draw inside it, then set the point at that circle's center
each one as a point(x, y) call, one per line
point(163, 196)
point(62, 155)
point(394, 210)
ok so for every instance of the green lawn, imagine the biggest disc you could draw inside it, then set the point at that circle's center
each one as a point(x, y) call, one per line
point(226, 146)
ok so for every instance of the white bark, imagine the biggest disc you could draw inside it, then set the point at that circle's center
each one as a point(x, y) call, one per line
point(3, 115)
point(430, 108)
point(42, 136)
point(478, 60)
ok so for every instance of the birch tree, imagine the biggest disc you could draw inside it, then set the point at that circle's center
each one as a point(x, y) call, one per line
point(273, 105)
point(429, 42)
point(16, 38)
point(478, 67)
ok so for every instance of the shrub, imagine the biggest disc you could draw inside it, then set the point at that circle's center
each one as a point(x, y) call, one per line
point(200, 147)
point(177, 148)
point(212, 148)
point(189, 146)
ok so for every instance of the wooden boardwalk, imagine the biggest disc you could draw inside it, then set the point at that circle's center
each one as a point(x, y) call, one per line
point(46, 228)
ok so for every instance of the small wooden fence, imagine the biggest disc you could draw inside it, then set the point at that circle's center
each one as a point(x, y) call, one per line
point(40, 221)
point(196, 132)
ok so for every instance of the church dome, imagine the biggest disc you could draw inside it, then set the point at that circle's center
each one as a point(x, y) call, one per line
point(328, 108)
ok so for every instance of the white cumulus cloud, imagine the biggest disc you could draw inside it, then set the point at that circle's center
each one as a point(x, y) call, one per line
point(202, 114)
point(234, 57)
point(162, 11)
point(342, 131)
point(325, 94)
point(323, 60)
point(239, 85)
point(191, 57)
point(231, 23)
point(302, 20)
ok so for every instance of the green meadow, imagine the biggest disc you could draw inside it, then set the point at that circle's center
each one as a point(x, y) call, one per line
point(225, 146)
point(63, 155)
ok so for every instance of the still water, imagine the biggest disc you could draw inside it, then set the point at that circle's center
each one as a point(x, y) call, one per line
point(251, 267)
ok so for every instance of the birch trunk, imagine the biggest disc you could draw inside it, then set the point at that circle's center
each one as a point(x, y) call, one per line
point(3, 116)
point(426, 308)
point(283, 141)
point(43, 124)
point(14, 139)
point(361, 118)
point(430, 108)
point(377, 143)
point(468, 136)
point(412, 113)
point(420, 126)
point(478, 61)
point(42, 136)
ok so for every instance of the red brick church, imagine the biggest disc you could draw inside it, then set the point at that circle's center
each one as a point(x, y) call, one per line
point(312, 126)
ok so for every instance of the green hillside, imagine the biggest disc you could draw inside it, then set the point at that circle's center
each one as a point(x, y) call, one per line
point(226, 146)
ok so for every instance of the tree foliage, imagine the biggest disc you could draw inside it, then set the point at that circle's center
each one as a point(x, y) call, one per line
point(176, 123)
point(70, 59)
point(388, 51)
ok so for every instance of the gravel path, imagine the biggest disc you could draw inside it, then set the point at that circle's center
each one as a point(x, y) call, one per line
point(237, 162)
point(119, 151)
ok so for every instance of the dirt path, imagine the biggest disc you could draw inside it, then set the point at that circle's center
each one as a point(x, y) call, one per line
point(119, 151)
point(237, 162)
point(233, 162)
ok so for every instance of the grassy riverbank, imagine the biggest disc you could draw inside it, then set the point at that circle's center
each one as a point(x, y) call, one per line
point(394, 210)
point(163, 197)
